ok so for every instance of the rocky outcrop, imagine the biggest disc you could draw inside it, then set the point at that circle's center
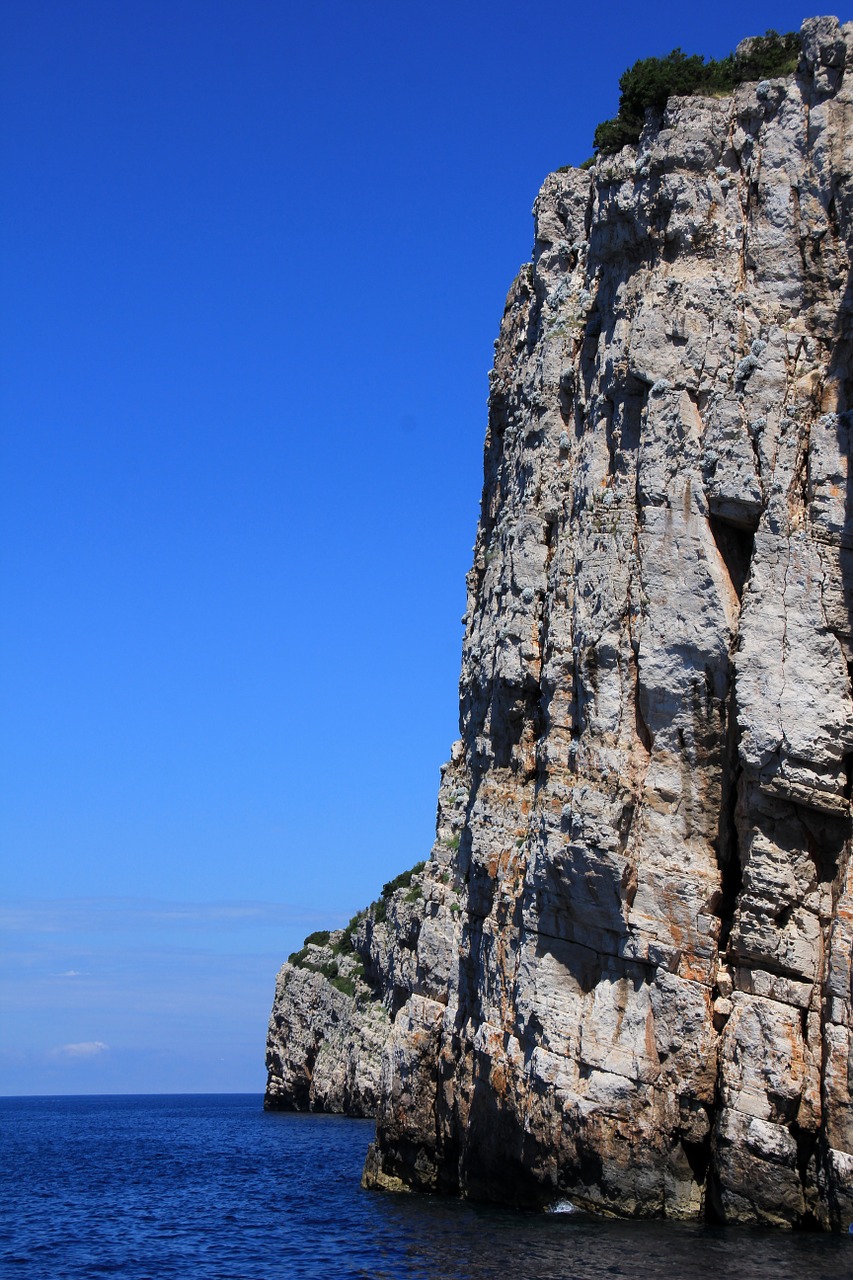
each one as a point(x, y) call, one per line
point(326, 1035)
point(628, 978)
point(336, 998)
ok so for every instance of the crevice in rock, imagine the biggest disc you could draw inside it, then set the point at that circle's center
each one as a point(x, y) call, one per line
point(550, 540)
point(804, 1025)
point(589, 1167)
point(629, 882)
point(698, 1155)
point(533, 283)
point(626, 822)
point(610, 435)
point(727, 843)
point(576, 708)
point(782, 918)
point(807, 1142)
point(643, 732)
point(514, 709)
point(808, 1222)
point(671, 247)
point(632, 406)
point(735, 544)
point(825, 837)
point(714, 1212)
point(566, 391)
point(802, 470)
point(589, 976)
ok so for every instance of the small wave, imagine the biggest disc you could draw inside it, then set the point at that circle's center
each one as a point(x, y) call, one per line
point(562, 1206)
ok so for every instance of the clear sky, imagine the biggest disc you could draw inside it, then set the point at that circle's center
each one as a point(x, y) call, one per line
point(253, 257)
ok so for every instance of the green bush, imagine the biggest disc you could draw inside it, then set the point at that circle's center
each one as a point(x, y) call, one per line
point(379, 909)
point(329, 968)
point(402, 881)
point(765, 57)
point(317, 939)
point(345, 944)
point(650, 82)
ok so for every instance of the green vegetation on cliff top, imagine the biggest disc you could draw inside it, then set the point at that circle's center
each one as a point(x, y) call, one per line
point(344, 945)
point(651, 81)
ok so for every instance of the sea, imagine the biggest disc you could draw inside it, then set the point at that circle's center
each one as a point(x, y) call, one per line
point(211, 1187)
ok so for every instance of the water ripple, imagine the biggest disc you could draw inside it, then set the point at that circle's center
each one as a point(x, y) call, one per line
point(211, 1188)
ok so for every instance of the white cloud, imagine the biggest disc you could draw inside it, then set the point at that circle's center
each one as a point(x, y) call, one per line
point(70, 973)
point(87, 1049)
point(124, 915)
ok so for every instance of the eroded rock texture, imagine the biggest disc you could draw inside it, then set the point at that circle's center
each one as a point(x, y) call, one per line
point(325, 1041)
point(630, 980)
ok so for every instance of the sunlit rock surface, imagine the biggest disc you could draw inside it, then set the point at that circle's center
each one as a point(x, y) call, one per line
point(626, 979)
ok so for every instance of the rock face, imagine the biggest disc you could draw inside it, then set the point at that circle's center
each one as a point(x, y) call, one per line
point(628, 978)
point(326, 1035)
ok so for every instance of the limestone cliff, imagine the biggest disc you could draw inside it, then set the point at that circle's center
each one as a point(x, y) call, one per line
point(627, 977)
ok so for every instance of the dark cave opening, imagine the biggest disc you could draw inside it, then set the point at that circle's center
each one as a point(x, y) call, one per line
point(735, 544)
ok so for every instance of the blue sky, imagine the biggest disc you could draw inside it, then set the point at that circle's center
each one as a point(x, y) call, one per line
point(254, 257)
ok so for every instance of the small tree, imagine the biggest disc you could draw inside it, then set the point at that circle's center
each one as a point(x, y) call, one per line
point(650, 82)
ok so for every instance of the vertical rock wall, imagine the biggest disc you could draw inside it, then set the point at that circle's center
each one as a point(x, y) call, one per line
point(630, 982)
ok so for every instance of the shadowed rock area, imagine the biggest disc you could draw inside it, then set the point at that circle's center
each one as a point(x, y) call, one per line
point(624, 975)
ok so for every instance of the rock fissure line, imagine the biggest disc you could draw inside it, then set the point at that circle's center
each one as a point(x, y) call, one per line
point(624, 975)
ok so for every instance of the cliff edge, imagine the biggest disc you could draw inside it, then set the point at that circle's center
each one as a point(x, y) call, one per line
point(624, 975)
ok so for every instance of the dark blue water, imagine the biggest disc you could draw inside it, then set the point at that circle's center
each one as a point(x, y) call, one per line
point(209, 1186)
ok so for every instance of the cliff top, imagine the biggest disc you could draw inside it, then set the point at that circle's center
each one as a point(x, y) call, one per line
point(647, 85)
